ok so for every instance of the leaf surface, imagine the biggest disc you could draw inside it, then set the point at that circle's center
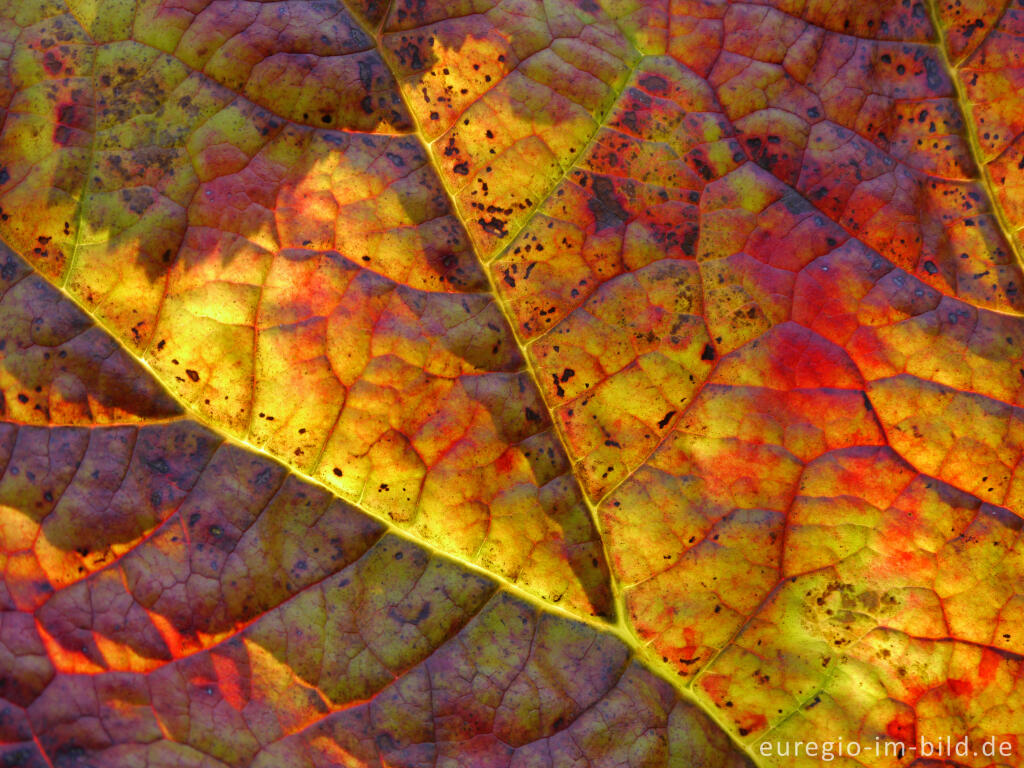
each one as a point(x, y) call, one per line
point(173, 598)
point(703, 319)
point(232, 193)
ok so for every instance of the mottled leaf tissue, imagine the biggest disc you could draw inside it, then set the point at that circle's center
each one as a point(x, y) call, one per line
point(511, 383)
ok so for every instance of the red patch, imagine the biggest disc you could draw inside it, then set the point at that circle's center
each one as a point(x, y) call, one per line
point(51, 63)
point(751, 722)
point(988, 666)
point(70, 117)
point(717, 687)
point(902, 728)
point(505, 462)
point(960, 687)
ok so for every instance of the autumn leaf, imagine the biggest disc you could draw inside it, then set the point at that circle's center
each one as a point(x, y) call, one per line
point(171, 597)
point(582, 382)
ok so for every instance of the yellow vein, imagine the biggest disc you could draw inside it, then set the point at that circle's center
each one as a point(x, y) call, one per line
point(971, 128)
point(619, 627)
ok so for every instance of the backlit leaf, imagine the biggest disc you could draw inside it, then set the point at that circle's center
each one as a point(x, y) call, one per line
point(566, 382)
point(173, 598)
